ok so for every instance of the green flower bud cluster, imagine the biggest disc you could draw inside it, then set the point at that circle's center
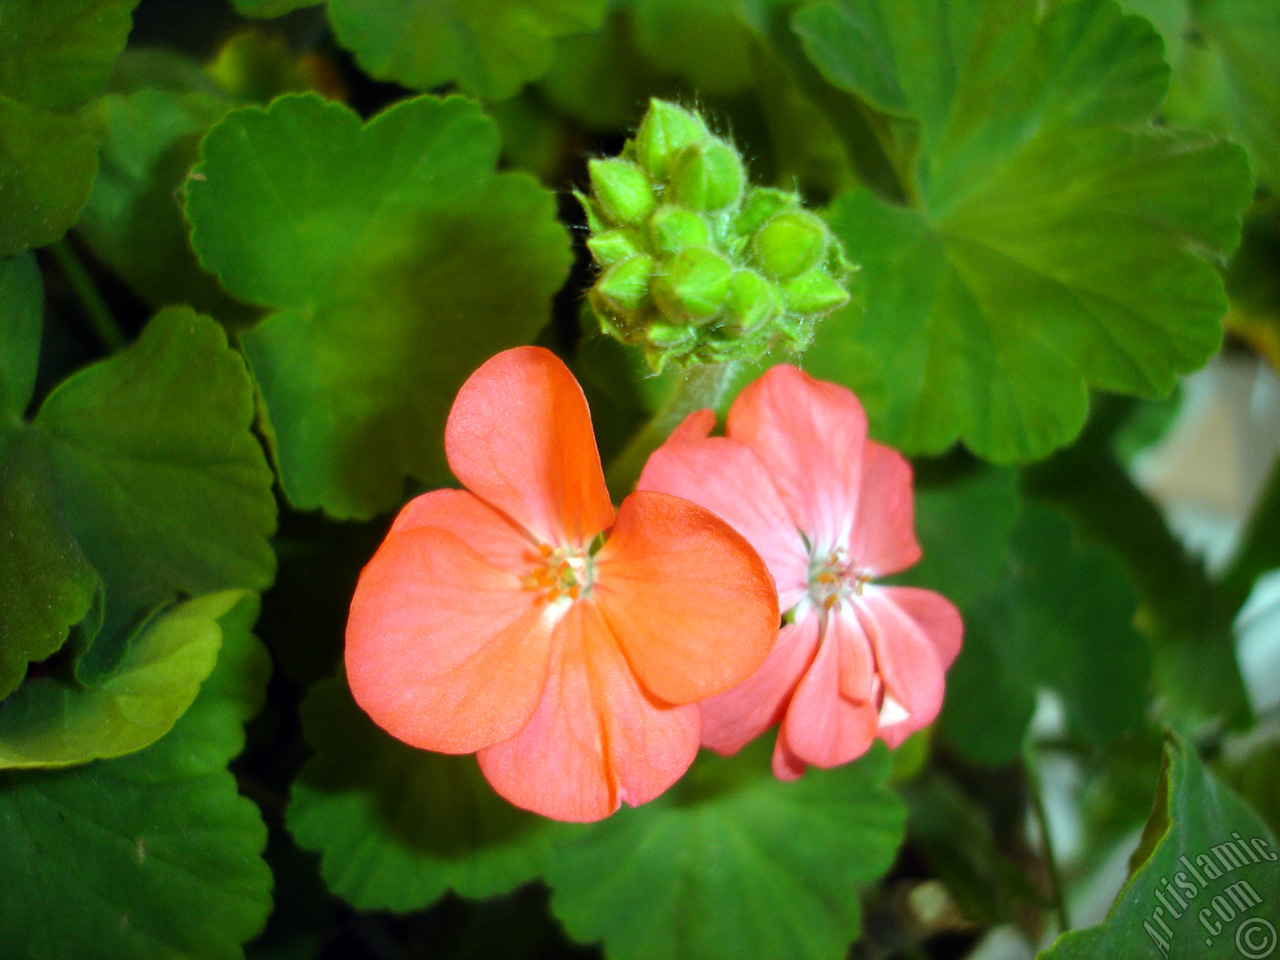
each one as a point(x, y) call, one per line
point(696, 265)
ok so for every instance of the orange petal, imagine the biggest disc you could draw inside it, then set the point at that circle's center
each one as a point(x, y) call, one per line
point(732, 719)
point(822, 727)
point(597, 739)
point(727, 478)
point(519, 436)
point(472, 521)
point(694, 608)
point(444, 650)
point(884, 540)
point(809, 435)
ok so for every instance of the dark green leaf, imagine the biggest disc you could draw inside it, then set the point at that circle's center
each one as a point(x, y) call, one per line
point(53, 721)
point(731, 863)
point(56, 54)
point(489, 47)
point(397, 827)
point(46, 583)
point(133, 220)
point(149, 856)
point(158, 475)
point(47, 164)
point(399, 262)
point(1055, 240)
point(1061, 619)
point(270, 8)
point(21, 306)
point(1204, 884)
point(964, 527)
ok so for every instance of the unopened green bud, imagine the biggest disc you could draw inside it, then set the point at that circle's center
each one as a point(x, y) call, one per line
point(752, 300)
point(694, 285)
point(762, 204)
point(623, 191)
point(814, 294)
point(666, 130)
point(790, 244)
point(674, 228)
point(708, 176)
point(623, 286)
point(614, 246)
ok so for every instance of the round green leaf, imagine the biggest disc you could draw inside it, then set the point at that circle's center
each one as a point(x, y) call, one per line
point(145, 857)
point(53, 721)
point(399, 263)
point(732, 863)
point(21, 306)
point(491, 48)
point(158, 474)
point(1056, 241)
point(397, 827)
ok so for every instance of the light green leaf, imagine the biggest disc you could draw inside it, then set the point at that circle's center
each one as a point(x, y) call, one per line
point(964, 526)
point(146, 857)
point(53, 721)
point(399, 263)
point(21, 306)
point(490, 48)
point(731, 863)
point(54, 55)
point(1225, 56)
point(676, 36)
point(1061, 619)
point(397, 827)
point(158, 474)
point(1056, 241)
point(1204, 884)
point(46, 583)
point(133, 221)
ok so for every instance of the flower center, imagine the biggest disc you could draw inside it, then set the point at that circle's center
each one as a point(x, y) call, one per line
point(561, 573)
point(832, 578)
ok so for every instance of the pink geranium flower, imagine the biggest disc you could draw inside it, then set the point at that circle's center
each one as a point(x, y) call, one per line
point(830, 512)
point(487, 621)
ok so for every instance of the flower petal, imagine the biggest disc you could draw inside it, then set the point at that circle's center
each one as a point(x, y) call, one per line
point(883, 539)
point(597, 739)
point(472, 521)
point(732, 719)
point(726, 477)
point(692, 605)
point(519, 436)
point(444, 650)
point(916, 634)
point(786, 765)
point(822, 727)
point(809, 434)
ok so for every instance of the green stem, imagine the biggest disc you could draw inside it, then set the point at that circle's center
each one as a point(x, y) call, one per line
point(698, 387)
point(1046, 839)
point(95, 308)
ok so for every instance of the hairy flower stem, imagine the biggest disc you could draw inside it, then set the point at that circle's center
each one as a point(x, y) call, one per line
point(699, 386)
point(95, 308)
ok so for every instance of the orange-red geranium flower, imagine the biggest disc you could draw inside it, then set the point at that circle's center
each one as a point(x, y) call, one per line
point(487, 623)
point(829, 511)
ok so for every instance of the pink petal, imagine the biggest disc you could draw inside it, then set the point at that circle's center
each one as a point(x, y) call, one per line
point(473, 521)
point(691, 604)
point(597, 739)
point(444, 650)
point(809, 435)
point(883, 539)
point(822, 727)
point(913, 632)
point(519, 436)
point(732, 719)
point(696, 426)
point(724, 476)
point(786, 765)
